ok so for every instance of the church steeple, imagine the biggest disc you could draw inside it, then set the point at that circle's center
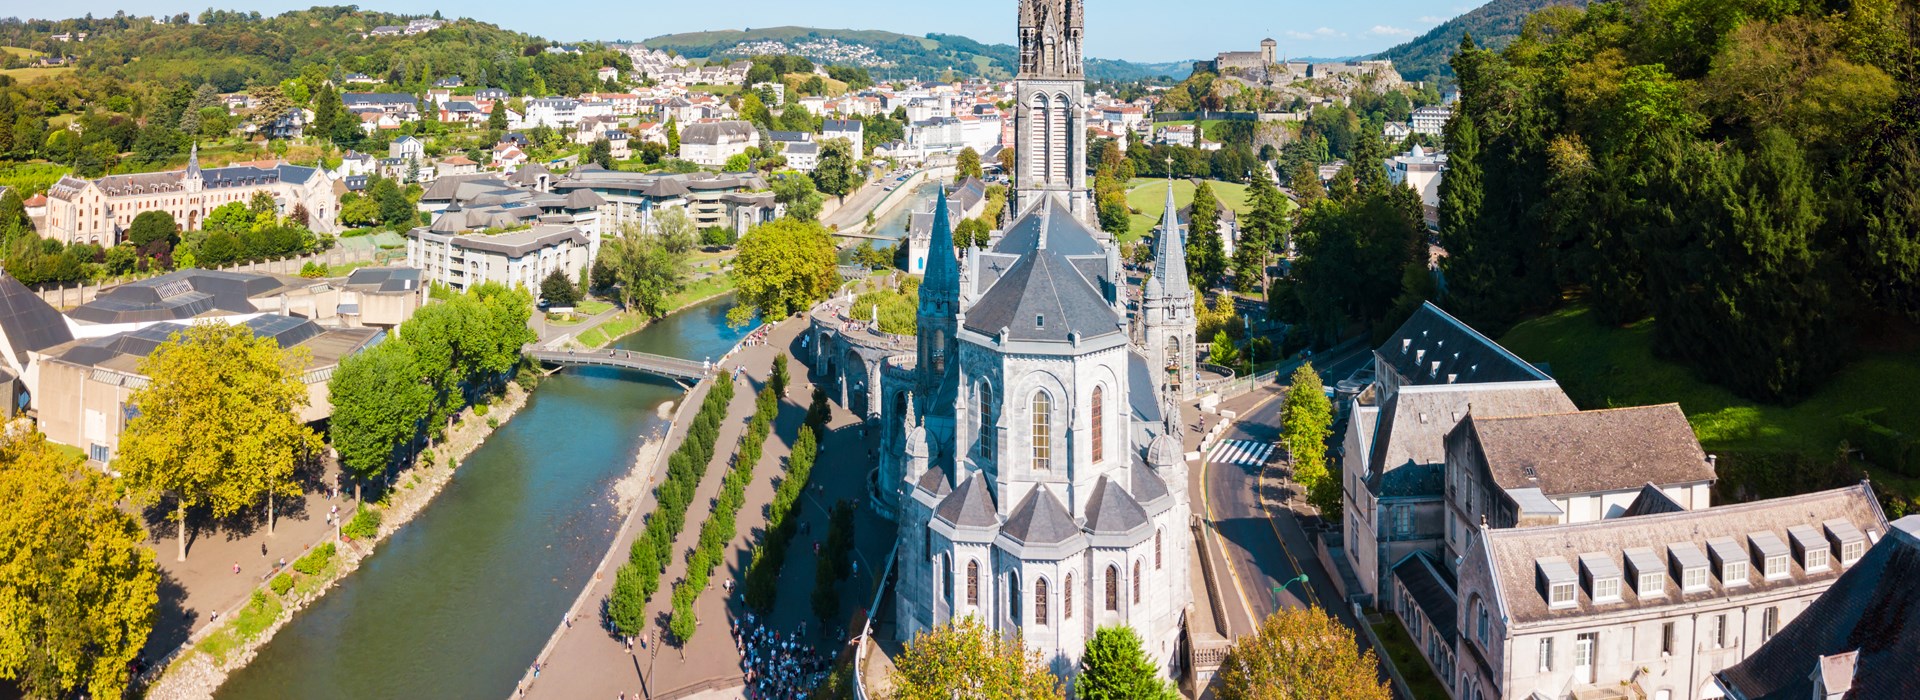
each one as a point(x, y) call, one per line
point(193, 161)
point(1169, 255)
point(943, 262)
point(1050, 158)
point(939, 303)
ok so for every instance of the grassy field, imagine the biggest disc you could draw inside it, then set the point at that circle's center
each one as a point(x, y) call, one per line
point(1148, 198)
point(27, 75)
point(25, 53)
point(624, 323)
point(1602, 367)
point(1407, 659)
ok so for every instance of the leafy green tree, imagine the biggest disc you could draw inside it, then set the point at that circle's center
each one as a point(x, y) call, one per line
point(968, 165)
point(1115, 667)
point(782, 267)
point(219, 422)
point(651, 268)
point(1300, 654)
point(1221, 350)
point(80, 586)
point(558, 291)
point(151, 227)
point(966, 660)
point(1206, 253)
point(1306, 420)
point(1304, 180)
point(379, 404)
point(1110, 201)
point(601, 153)
point(497, 118)
point(738, 163)
point(838, 172)
point(673, 136)
point(627, 606)
point(796, 190)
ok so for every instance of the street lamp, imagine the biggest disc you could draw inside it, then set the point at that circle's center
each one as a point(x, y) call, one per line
point(1277, 589)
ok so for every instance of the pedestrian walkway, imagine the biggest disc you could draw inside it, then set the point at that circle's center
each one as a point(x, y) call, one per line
point(1241, 452)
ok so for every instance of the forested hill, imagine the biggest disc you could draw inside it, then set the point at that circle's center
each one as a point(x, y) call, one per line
point(235, 50)
point(1493, 24)
point(905, 57)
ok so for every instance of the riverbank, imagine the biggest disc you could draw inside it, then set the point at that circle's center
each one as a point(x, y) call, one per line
point(197, 669)
point(626, 323)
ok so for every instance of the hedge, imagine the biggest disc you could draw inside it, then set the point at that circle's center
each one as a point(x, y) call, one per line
point(719, 527)
point(1884, 446)
point(763, 572)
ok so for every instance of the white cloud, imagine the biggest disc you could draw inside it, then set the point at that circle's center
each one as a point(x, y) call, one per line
point(1430, 19)
point(1326, 31)
point(1300, 36)
point(1384, 30)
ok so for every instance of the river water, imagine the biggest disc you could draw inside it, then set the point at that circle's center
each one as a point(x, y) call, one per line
point(458, 602)
point(894, 225)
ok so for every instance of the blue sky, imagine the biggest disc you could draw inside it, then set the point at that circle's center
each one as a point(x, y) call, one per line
point(1139, 30)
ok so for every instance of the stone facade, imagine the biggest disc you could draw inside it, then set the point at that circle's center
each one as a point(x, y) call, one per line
point(100, 211)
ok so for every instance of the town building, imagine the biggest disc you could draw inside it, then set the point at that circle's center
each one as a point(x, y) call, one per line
point(521, 257)
point(712, 144)
point(380, 297)
point(1030, 452)
point(734, 201)
point(965, 200)
point(1421, 170)
point(853, 130)
point(100, 211)
point(1431, 120)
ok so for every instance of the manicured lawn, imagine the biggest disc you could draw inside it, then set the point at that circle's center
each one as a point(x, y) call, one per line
point(1148, 199)
point(628, 322)
point(1603, 367)
point(1406, 657)
point(590, 307)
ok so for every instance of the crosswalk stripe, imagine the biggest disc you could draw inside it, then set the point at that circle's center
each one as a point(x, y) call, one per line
point(1264, 451)
point(1237, 455)
point(1214, 454)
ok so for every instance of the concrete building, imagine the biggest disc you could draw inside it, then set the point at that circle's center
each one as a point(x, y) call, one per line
point(1431, 120)
point(735, 201)
point(521, 258)
point(100, 211)
point(1421, 170)
point(380, 297)
point(853, 130)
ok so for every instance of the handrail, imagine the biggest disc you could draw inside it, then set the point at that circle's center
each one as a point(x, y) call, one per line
point(672, 367)
point(866, 629)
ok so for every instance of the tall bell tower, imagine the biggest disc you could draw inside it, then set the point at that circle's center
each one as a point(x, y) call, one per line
point(1049, 122)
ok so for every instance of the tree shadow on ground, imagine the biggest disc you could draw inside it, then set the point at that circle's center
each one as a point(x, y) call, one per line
point(172, 622)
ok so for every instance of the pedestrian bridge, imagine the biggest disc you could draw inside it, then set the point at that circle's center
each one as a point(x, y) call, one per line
point(659, 365)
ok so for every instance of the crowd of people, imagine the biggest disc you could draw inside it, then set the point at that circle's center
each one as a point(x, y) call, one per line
point(778, 665)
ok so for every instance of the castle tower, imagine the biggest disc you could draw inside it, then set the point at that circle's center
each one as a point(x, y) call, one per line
point(1269, 52)
point(1050, 96)
point(1166, 308)
point(939, 305)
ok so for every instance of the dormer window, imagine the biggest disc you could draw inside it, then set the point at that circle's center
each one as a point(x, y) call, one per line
point(1557, 581)
point(1687, 558)
point(1649, 575)
point(1772, 553)
point(1846, 538)
point(1730, 560)
point(1811, 547)
point(1602, 577)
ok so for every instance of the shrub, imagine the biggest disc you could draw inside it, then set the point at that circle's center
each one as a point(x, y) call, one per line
point(281, 584)
point(314, 561)
point(365, 524)
point(1883, 446)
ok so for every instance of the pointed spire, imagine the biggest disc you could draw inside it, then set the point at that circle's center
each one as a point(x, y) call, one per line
point(193, 160)
point(943, 263)
point(1169, 254)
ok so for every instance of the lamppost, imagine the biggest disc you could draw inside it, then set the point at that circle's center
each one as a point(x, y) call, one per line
point(1282, 587)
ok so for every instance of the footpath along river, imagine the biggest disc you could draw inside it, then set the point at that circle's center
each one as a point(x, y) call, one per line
point(457, 603)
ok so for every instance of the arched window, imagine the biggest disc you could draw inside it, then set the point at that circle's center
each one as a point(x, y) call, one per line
point(973, 583)
point(1042, 431)
point(1066, 599)
point(946, 577)
point(1113, 587)
point(1136, 581)
point(1099, 425)
point(1040, 601)
point(1156, 549)
point(986, 421)
point(1013, 596)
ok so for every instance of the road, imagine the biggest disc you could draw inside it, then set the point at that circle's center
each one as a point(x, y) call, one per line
point(853, 213)
point(1263, 552)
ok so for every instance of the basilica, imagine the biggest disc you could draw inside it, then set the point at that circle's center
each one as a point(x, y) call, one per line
point(1032, 450)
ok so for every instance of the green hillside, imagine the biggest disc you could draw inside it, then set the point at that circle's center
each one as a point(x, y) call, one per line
point(1493, 24)
point(928, 57)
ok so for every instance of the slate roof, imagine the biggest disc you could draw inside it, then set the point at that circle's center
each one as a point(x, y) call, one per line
point(1169, 256)
point(935, 481)
point(1064, 233)
point(1040, 520)
point(1111, 511)
point(971, 505)
point(1590, 451)
point(711, 133)
point(328, 345)
point(518, 243)
point(1513, 552)
point(1431, 588)
point(1412, 427)
point(183, 294)
point(1043, 298)
point(27, 322)
point(1651, 501)
point(384, 279)
point(1873, 609)
point(1147, 486)
point(1464, 355)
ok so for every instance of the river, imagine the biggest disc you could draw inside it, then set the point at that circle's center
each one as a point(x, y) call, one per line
point(457, 603)
point(894, 225)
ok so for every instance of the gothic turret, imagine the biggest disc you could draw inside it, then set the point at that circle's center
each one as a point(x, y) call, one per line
point(1166, 308)
point(192, 180)
point(939, 302)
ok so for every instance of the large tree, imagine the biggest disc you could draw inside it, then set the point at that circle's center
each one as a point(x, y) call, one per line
point(967, 165)
point(1115, 667)
point(380, 400)
point(1306, 419)
point(838, 172)
point(218, 423)
point(964, 659)
point(782, 267)
point(77, 584)
point(153, 226)
point(1206, 253)
point(652, 267)
point(1300, 654)
point(796, 190)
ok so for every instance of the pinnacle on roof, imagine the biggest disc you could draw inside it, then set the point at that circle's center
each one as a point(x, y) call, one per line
point(193, 160)
point(1169, 255)
point(943, 265)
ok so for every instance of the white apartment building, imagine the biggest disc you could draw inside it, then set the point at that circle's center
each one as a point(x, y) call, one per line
point(520, 258)
point(711, 144)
